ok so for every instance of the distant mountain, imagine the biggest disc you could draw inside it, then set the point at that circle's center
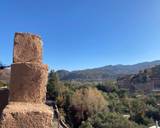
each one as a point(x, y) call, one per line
point(109, 72)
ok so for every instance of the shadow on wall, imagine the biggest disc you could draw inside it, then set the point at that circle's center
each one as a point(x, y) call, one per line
point(4, 94)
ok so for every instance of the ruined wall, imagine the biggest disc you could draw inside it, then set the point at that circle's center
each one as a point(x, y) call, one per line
point(26, 108)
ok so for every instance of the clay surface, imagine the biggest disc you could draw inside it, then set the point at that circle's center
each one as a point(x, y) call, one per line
point(24, 115)
point(28, 82)
point(27, 48)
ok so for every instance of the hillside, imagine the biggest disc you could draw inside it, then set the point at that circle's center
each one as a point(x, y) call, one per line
point(147, 80)
point(109, 72)
point(5, 75)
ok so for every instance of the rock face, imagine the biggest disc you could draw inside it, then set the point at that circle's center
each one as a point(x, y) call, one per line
point(146, 81)
point(26, 107)
point(27, 48)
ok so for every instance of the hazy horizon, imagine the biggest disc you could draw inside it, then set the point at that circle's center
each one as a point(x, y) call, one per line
point(85, 34)
point(100, 66)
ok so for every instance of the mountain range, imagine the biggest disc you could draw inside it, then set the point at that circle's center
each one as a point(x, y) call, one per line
point(109, 72)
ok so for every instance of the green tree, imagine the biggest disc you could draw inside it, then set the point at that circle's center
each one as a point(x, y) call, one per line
point(109, 120)
point(86, 124)
point(107, 86)
point(52, 86)
point(138, 109)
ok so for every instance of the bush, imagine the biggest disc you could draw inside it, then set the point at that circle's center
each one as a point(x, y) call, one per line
point(86, 102)
point(108, 86)
point(109, 120)
point(2, 84)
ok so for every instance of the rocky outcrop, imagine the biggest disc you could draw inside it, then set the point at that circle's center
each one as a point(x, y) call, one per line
point(147, 80)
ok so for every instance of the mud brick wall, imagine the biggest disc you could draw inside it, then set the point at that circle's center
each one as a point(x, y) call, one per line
point(29, 76)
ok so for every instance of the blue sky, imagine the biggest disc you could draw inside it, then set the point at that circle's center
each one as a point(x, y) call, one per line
point(79, 34)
